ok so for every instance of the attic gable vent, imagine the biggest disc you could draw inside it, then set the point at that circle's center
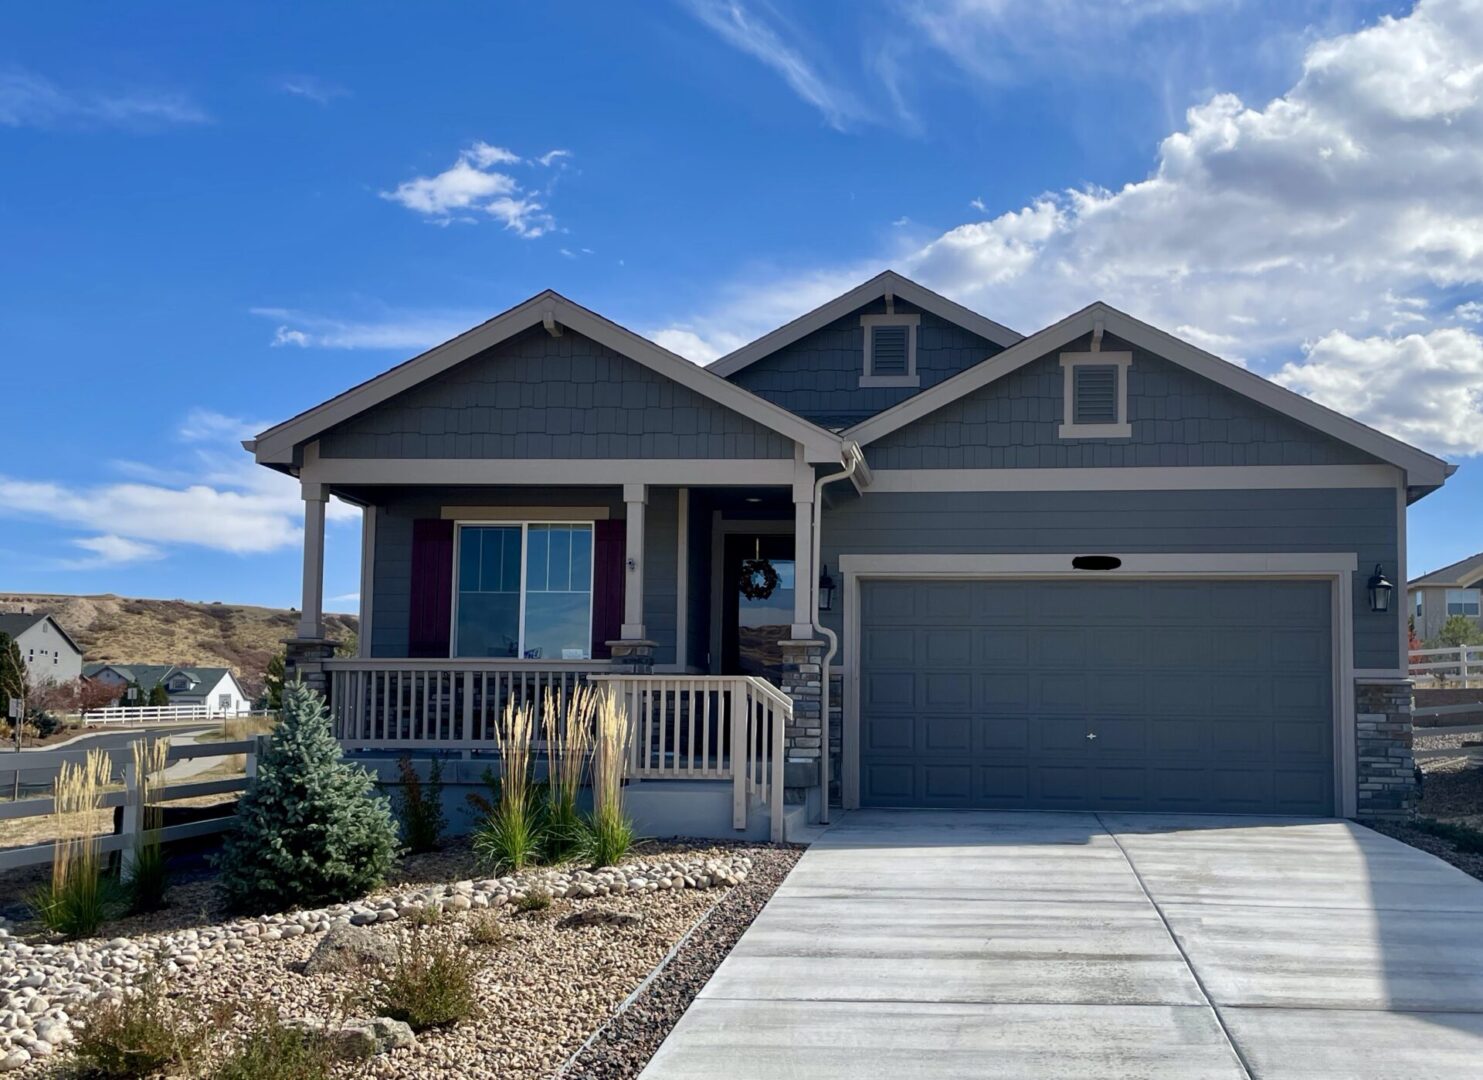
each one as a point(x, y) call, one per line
point(1094, 395)
point(890, 350)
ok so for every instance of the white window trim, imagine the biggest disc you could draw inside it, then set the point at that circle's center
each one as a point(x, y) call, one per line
point(524, 538)
point(911, 378)
point(1069, 429)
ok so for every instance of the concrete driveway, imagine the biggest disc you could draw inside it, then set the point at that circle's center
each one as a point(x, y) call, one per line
point(946, 944)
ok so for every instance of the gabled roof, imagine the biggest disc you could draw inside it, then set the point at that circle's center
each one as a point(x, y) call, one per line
point(16, 623)
point(1423, 470)
point(145, 676)
point(275, 447)
point(887, 281)
point(1461, 574)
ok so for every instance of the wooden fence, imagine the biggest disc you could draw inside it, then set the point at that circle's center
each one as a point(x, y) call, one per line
point(50, 761)
point(1462, 665)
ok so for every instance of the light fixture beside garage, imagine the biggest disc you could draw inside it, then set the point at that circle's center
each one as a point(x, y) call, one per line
point(1380, 590)
point(826, 590)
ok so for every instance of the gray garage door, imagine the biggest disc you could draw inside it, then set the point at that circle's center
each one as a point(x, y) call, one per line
point(1211, 696)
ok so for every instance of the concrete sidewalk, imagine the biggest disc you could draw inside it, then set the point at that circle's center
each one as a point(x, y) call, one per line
point(944, 944)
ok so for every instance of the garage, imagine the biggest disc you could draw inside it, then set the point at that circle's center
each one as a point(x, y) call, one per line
point(1097, 694)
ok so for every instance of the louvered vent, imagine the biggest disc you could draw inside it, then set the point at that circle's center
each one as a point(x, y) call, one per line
point(1095, 400)
point(888, 350)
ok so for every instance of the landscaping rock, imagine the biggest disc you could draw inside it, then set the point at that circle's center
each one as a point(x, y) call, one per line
point(348, 949)
point(600, 917)
point(356, 1040)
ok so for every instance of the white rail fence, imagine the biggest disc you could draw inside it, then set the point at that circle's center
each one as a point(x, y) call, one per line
point(50, 761)
point(1462, 663)
point(138, 714)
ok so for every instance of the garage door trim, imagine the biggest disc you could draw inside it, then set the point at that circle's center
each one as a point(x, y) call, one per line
point(1337, 568)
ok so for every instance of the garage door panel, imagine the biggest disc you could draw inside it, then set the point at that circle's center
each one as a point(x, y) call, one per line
point(1204, 695)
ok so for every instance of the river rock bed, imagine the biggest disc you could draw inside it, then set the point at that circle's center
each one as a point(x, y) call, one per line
point(45, 987)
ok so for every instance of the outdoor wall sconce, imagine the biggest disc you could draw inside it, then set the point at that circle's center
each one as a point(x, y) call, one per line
point(1380, 590)
point(826, 590)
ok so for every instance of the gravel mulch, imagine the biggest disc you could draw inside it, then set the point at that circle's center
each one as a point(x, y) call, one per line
point(1452, 790)
point(626, 1044)
point(1442, 849)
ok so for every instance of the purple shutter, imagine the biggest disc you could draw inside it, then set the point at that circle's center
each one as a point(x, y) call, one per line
point(430, 625)
point(608, 572)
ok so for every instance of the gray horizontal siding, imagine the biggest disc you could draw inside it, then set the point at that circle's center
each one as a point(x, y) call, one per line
point(536, 396)
point(1359, 520)
point(392, 574)
point(818, 376)
point(1178, 417)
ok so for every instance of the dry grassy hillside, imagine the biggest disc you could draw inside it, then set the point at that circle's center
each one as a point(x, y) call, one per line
point(117, 628)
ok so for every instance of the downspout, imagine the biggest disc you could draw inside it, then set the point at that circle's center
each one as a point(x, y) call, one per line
point(853, 458)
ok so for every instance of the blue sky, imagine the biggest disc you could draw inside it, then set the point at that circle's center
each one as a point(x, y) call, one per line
point(214, 216)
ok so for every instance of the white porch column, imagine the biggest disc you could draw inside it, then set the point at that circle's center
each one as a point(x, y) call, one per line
point(311, 618)
point(803, 555)
point(636, 498)
point(367, 577)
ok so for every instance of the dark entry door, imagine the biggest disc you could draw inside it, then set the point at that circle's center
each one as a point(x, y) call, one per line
point(752, 628)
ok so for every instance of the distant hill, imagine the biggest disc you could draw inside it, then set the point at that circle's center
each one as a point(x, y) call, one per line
point(123, 630)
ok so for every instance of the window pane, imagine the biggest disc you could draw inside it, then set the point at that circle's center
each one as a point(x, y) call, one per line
point(558, 626)
point(582, 558)
point(488, 604)
point(536, 559)
point(561, 558)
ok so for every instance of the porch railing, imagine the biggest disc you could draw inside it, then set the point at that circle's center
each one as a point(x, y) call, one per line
point(404, 704)
point(702, 727)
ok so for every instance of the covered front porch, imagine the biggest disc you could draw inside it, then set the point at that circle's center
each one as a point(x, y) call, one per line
point(474, 596)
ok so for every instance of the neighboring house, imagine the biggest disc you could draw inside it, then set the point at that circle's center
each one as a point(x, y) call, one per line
point(1096, 568)
point(215, 688)
point(1434, 598)
point(49, 651)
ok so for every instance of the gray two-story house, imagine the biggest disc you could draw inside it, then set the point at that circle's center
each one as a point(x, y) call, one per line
point(1092, 568)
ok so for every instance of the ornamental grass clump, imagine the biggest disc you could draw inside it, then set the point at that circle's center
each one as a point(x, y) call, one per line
point(148, 875)
point(510, 838)
point(608, 834)
point(78, 898)
point(568, 734)
point(311, 829)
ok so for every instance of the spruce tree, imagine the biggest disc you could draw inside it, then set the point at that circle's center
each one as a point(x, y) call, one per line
point(311, 830)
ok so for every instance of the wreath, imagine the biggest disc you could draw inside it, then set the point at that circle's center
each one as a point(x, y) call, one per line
point(758, 576)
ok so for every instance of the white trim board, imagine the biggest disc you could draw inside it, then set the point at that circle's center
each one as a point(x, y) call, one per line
point(474, 514)
point(276, 445)
point(1422, 469)
point(581, 472)
point(1335, 567)
point(886, 282)
point(1153, 478)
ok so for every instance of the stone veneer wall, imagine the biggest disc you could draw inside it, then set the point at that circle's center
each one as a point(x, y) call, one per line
point(1387, 769)
point(800, 680)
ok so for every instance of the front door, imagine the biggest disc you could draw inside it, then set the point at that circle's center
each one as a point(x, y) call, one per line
point(752, 624)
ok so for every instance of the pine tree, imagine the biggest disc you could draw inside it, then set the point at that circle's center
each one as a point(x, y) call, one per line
point(311, 830)
point(12, 671)
point(273, 682)
point(158, 695)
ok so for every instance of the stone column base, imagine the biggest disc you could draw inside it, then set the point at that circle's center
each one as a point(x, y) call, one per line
point(633, 657)
point(1386, 767)
point(802, 680)
point(304, 659)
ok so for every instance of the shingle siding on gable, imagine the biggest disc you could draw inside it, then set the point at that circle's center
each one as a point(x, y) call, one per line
point(818, 377)
point(536, 396)
point(1178, 418)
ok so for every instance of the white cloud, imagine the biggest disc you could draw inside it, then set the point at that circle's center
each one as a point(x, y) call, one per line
point(29, 100)
point(319, 91)
point(551, 157)
point(1350, 205)
point(472, 186)
point(1424, 388)
point(1472, 311)
point(395, 330)
point(748, 29)
point(108, 551)
point(212, 496)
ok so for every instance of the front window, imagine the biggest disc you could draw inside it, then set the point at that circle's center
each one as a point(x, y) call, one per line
point(1463, 602)
point(524, 591)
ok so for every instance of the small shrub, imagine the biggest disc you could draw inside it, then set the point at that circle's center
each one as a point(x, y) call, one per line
point(431, 985)
point(275, 1051)
point(420, 808)
point(485, 929)
point(424, 916)
point(310, 831)
point(139, 1035)
point(1463, 837)
point(533, 900)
